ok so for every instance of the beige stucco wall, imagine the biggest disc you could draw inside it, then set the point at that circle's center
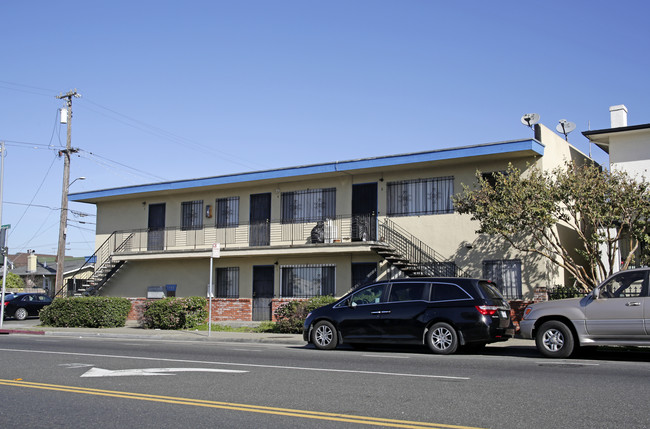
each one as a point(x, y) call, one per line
point(192, 275)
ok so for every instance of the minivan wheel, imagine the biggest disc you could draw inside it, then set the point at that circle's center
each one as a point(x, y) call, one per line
point(554, 339)
point(442, 339)
point(324, 336)
point(20, 314)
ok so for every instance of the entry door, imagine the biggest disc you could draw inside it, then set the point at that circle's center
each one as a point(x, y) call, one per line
point(363, 273)
point(364, 212)
point(260, 220)
point(262, 291)
point(156, 227)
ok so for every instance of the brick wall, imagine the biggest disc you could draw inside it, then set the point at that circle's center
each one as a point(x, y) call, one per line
point(223, 309)
point(517, 307)
point(240, 309)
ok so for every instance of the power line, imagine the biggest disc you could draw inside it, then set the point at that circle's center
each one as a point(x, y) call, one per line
point(40, 206)
point(45, 92)
point(174, 138)
point(33, 197)
point(91, 155)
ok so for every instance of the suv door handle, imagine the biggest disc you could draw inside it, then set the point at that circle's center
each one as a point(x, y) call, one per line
point(632, 304)
point(376, 312)
point(385, 312)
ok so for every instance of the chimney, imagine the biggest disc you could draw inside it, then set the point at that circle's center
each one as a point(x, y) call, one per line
point(31, 262)
point(618, 115)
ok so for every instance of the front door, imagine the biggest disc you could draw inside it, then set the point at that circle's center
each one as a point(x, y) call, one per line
point(364, 212)
point(263, 291)
point(363, 274)
point(156, 227)
point(260, 220)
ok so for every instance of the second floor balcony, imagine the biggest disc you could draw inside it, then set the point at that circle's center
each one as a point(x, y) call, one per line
point(331, 231)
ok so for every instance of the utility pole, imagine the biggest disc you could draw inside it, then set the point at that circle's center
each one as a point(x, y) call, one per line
point(63, 224)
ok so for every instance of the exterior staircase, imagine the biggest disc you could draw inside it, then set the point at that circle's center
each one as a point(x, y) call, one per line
point(410, 255)
point(105, 266)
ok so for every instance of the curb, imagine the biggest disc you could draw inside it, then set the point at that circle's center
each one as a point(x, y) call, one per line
point(18, 331)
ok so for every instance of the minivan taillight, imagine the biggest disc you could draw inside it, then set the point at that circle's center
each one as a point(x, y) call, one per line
point(487, 310)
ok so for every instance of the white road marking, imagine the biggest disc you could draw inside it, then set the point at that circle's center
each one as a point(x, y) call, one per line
point(387, 356)
point(101, 372)
point(564, 363)
point(76, 365)
point(295, 368)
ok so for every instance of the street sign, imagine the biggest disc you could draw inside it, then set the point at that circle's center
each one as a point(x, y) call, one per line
point(216, 250)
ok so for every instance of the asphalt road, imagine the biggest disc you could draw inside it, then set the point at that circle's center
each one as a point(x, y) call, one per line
point(120, 382)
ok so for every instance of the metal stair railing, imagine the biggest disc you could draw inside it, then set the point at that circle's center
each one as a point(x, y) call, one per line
point(420, 257)
point(101, 258)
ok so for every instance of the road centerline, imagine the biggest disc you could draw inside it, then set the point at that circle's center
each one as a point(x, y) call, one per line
point(288, 412)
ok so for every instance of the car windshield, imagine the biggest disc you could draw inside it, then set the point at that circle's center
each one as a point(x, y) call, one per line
point(490, 289)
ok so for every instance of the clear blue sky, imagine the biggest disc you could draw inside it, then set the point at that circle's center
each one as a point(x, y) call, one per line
point(178, 90)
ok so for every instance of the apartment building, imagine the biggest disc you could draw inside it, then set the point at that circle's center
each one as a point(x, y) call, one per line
point(292, 233)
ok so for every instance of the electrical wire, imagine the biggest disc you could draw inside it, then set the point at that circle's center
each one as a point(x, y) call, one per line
point(111, 165)
point(33, 198)
point(166, 135)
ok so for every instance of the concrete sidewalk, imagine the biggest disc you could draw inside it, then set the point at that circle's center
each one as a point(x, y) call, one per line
point(133, 330)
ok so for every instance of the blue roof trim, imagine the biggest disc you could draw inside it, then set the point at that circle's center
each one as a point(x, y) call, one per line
point(332, 167)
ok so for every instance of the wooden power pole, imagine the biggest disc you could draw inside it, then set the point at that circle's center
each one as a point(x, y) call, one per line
point(63, 225)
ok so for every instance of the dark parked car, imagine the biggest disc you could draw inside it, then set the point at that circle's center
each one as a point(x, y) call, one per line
point(21, 305)
point(443, 313)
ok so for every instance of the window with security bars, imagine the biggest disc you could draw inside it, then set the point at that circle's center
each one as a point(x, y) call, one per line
point(227, 282)
point(507, 275)
point(191, 215)
point(227, 212)
point(306, 281)
point(309, 205)
point(421, 196)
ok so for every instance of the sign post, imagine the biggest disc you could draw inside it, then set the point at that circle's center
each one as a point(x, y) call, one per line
point(4, 250)
point(216, 253)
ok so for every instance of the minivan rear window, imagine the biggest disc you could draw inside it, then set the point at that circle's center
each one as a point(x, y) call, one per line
point(448, 292)
point(490, 289)
point(409, 292)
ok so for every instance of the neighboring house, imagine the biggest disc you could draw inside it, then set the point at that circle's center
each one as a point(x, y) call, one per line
point(628, 148)
point(38, 273)
point(318, 229)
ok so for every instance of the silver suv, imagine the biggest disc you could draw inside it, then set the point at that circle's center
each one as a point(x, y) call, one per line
point(616, 313)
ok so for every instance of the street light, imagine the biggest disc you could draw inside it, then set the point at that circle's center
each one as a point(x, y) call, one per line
point(78, 178)
point(63, 227)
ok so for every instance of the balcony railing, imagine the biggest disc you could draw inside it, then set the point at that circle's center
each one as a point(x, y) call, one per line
point(340, 229)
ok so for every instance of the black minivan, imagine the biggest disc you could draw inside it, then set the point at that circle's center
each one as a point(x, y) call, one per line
point(443, 313)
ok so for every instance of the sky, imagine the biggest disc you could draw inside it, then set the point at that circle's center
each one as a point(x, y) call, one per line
point(176, 90)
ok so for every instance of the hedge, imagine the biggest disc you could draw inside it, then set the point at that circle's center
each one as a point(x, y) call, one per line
point(175, 313)
point(86, 312)
point(291, 316)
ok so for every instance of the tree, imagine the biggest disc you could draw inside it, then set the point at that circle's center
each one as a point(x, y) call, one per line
point(14, 281)
point(607, 211)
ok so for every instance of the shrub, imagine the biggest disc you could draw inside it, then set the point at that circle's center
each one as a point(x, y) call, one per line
point(14, 282)
point(291, 316)
point(562, 292)
point(86, 312)
point(175, 313)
